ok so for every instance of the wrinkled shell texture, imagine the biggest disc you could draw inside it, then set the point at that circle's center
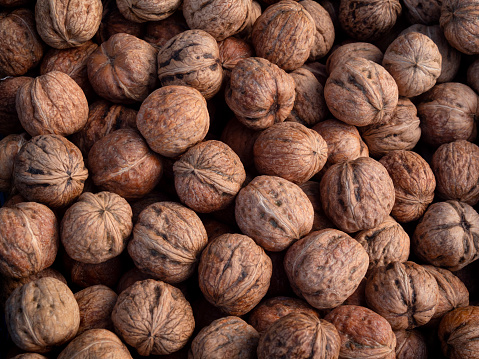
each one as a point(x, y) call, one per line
point(357, 194)
point(232, 50)
point(274, 212)
point(321, 221)
point(142, 11)
point(300, 335)
point(360, 92)
point(403, 293)
point(425, 12)
point(325, 267)
point(234, 273)
point(344, 52)
point(410, 344)
point(241, 139)
point(260, 93)
point(167, 241)
point(113, 22)
point(153, 317)
point(9, 122)
point(173, 119)
point(9, 147)
point(208, 176)
point(29, 239)
point(228, 337)
point(284, 34)
point(159, 32)
point(50, 169)
point(42, 314)
point(191, 58)
point(67, 24)
point(363, 333)
point(448, 235)
point(121, 162)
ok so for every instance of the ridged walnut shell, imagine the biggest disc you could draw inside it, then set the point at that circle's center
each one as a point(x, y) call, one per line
point(113, 22)
point(410, 344)
point(9, 147)
point(159, 32)
point(9, 122)
point(232, 50)
point(344, 52)
point(321, 221)
point(143, 11)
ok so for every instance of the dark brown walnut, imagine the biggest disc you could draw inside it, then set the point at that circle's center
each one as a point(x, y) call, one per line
point(9, 122)
point(357, 194)
point(260, 93)
point(96, 304)
point(447, 235)
point(121, 162)
point(472, 76)
point(153, 317)
point(325, 267)
point(363, 333)
point(63, 25)
point(423, 11)
point(95, 343)
point(29, 356)
point(232, 50)
point(87, 274)
point(228, 337)
point(284, 34)
point(13, 199)
point(448, 113)
point(359, 295)
point(300, 335)
point(123, 69)
point(234, 273)
point(14, 3)
point(9, 147)
point(274, 212)
point(167, 241)
point(49, 169)
point(360, 92)
point(410, 344)
point(254, 12)
point(321, 221)
point(400, 132)
point(137, 206)
point(191, 58)
point(21, 48)
point(52, 104)
point(41, 315)
point(113, 22)
point(143, 11)
point(159, 32)
point(215, 228)
point(208, 176)
point(131, 277)
point(344, 52)
point(318, 70)
point(414, 184)
point(459, 332)
point(386, 243)
point(405, 294)
point(172, 119)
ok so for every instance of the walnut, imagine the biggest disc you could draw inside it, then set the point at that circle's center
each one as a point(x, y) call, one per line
point(423, 11)
point(123, 69)
point(88, 274)
point(29, 356)
point(191, 58)
point(254, 12)
point(344, 52)
point(360, 92)
point(14, 3)
point(405, 294)
point(9, 147)
point(153, 317)
point(284, 34)
point(137, 206)
point(21, 48)
point(240, 139)
point(63, 25)
point(42, 314)
point(410, 344)
point(357, 194)
point(159, 32)
point(274, 212)
point(215, 228)
point(234, 273)
point(472, 76)
point(359, 295)
point(363, 333)
point(446, 235)
point(131, 277)
point(49, 169)
point(9, 122)
point(318, 70)
point(232, 50)
point(113, 22)
point(172, 119)
point(121, 162)
point(321, 221)
point(52, 104)
point(143, 11)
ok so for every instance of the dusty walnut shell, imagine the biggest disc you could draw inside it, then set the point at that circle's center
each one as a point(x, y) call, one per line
point(9, 147)
point(143, 11)
point(344, 52)
point(321, 221)
point(410, 344)
point(9, 122)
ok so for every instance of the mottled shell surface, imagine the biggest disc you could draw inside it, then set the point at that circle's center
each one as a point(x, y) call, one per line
point(344, 52)
point(143, 11)
point(410, 344)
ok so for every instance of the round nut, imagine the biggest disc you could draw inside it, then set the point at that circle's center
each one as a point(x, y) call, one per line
point(141, 11)
point(9, 147)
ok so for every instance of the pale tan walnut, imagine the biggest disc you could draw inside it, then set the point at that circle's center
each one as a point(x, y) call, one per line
point(96, 304)
point(447, 234)
point(219, 18)
point(87, 274)
point(191, 58)
point(67, 24)
point(405, 294)
point(344, 52)
point(208, 176)
point(113, 22)
point(300, 335)
point(121, 162)
point(410, 344)
point(425, 12)
point(385, 243)
point(95, 343)
point(260, 93)
point(414, 61)
point(172, 119)
point(167, 241)
point(21, 49)
point(9, 122)
point(123, 69)
point(153, 317)
point(401, 131)
point(41, 315)
point(143, 11)
point(9, 147)
point(321, 221)
point(159, 32)
point(52, 104)
point(49, 169)
point(360, 92)
point(274, 212)
point(284, 34)
point(357, 194)
point(232, 50)
point(234, 273)
point(228, 337)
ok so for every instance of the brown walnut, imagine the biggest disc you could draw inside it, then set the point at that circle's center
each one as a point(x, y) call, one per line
point(9, 147)
point(88, 274)
point(232, 50)
point(113, 22)
point(472, 76)
point(241, 139)
point(29, 356)
point(159, 32)
point(9, 122)
point(410, 344)
point(344, 52)
point(425, 12)
point(143, 11)
point(321, 221)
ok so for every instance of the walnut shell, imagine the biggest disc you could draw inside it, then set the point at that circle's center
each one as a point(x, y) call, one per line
point(143, 11)
point(9, 147)
point(344, 52)
point(159, 32)
point(131, 277)
point(425, 12)
point(232, 50)
point(321, 221)
point(113, 22)
point(29, 356)
point(107, 273)
point(410, 344)
point(9, 122)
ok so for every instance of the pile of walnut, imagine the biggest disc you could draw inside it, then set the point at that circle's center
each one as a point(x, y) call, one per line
point(239, 179)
